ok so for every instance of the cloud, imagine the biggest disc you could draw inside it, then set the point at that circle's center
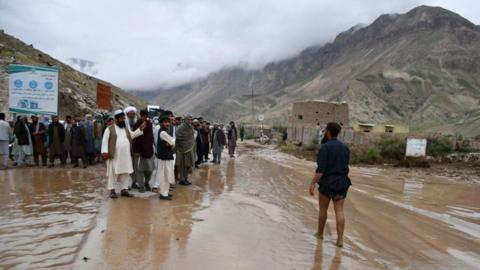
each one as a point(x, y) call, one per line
point(145, 44)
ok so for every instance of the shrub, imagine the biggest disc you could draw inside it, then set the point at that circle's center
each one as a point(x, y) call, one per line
point(372, 156)
point(438, 147)
point(465, 147)
point(249, 136)
point(392, 148)
point(312, 146)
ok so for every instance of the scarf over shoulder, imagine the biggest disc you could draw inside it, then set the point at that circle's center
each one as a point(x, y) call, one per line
point(184, 138)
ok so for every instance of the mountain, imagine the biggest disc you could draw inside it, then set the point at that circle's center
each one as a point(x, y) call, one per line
point(77, 91)
point(421, 68)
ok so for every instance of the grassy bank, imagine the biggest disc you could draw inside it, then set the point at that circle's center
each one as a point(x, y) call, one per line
point(385, 151)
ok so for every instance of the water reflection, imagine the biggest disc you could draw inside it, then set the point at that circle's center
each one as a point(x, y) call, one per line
point(45, 215)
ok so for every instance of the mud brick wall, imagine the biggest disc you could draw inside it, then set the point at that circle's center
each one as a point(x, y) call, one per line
point(310, 116)
point(319, 113)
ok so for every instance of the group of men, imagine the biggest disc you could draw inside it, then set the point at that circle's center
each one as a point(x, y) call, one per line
point(75, 139)
point(156, 155)
point(139, 153)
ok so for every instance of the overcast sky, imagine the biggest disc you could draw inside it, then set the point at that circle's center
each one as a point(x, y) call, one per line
point(143, 44)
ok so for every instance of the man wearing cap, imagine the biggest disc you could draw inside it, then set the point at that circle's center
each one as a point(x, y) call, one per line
point(117, 150)
point(332, 179)
point(143, 159)
point(164, 144)
point(171, 131)
point(184, 148)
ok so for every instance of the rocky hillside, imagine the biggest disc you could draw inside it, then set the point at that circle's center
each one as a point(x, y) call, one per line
point(77, 91)
point(421, 68)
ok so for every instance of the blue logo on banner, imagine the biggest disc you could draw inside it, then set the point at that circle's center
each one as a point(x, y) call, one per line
point(48, 85)
point(33, 84)
point(18, 83)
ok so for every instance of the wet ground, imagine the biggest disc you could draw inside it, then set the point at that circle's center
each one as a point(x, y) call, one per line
point(252, 212)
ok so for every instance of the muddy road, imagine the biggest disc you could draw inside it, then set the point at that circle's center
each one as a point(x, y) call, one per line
point(253, 212)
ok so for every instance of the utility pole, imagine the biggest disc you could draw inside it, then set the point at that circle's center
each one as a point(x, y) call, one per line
point(251, 88)
point(253, 110)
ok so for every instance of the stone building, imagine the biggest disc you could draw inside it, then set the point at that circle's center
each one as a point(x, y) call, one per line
point(308, 117)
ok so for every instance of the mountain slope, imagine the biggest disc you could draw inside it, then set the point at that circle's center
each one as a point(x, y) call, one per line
point(421, 68)
point(77, 91)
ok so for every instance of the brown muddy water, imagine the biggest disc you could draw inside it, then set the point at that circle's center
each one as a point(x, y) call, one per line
point(253, 212)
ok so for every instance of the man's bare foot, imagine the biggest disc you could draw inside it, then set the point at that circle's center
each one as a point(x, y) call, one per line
point(340, 243)
point(319, 236)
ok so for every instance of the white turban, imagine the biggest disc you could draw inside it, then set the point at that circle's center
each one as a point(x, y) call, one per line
point(130, 109)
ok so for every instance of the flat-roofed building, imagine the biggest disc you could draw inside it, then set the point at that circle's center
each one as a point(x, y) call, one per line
point(309, 117)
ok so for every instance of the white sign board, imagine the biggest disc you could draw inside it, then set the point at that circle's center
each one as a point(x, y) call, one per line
point(33, 90)
point(261, 117)
point(416, 147)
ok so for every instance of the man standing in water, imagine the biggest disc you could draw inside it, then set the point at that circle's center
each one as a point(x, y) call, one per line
point(332, 178)
point(37, 131)
point(242, 132)
point(5, 138)
point(22, 146)
point(143, 159)
point(164, 153)
point(205, 133)
point(117, 150)
point(130, 120)
point(184, 148)
point(232, 139)
point(218, 143)
point(89, 135)
point(79, 140)
point(67, 144)
point(56, 138)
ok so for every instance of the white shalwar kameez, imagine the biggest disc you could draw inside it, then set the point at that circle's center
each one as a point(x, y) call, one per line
point(164, 175)
point(119, 167)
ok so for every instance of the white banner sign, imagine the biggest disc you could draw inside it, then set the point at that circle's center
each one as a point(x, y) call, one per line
point(33, 90)
point(416, 147)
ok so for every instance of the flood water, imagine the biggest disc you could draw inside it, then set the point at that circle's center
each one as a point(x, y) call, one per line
point(253, 212)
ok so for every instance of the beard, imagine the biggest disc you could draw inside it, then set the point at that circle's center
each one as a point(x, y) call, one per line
point(121, 124)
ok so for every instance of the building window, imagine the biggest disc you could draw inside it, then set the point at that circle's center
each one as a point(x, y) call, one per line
point(300, 117)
